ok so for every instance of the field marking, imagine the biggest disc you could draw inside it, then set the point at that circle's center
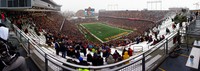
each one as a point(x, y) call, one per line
point(93, 34)
point(183, 55)
point(116, 27)
point(161, 69)
point(129, 31)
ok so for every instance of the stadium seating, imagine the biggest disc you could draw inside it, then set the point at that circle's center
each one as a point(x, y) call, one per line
point(73, 34)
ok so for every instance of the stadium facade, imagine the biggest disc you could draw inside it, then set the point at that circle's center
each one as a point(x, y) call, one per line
point(29, 5)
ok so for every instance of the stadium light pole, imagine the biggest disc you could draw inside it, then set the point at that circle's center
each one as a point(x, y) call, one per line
point(197, 5)
point(108, 7)
point(112, 6)
point(154, 3)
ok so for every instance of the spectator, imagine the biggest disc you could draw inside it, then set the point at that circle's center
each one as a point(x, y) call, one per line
point(104, 51)
point(173, 26)
point(155, 42)
point(167, 31)
point(181, 25)
point(155, 31)
point(84, 50)
point(126, 56)
point(3, 17)
point(57, 47)
point(130, 52)
point(150, 39)
point(110, 59)
point(147, 38)
point(116, 55)
point(137, 40)
point(77, 54)
point(162, 37)
point(94, 60)
point(71, 52)
point(26, 31)
point(100, 59)
point(63, 49)
point(89, 57)
point(141, 38)
point(82, 62)
point(124, 50)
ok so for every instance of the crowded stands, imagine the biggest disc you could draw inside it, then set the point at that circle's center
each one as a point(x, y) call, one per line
point(72, 43)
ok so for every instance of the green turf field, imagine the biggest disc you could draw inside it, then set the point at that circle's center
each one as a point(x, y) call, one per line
point(105, 32)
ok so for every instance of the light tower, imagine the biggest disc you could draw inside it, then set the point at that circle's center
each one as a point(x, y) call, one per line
point(156, 3)
point(197, 5)
point(112, 6)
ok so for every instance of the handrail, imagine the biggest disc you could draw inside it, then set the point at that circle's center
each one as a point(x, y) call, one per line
point(144, 53)
point(62, 24)
point(126, 65)
point(75, 65)
point(42, 52)
point(106, 66)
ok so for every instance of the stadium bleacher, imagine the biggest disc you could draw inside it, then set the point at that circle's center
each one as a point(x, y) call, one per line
point(52, 51)
point(44, 29)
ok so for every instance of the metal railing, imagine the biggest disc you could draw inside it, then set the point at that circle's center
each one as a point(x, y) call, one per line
point(63, 22)
point(146, 60)
point(149, 59)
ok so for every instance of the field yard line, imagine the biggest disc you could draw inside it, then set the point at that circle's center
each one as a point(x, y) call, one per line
point(129, 32)
point(116, 27)
point(93, 34)
point(119, 37)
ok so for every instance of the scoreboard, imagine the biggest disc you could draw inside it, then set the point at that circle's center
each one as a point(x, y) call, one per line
point(89, 12)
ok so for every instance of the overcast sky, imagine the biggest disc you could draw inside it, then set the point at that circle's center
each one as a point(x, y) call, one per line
point(75, 5)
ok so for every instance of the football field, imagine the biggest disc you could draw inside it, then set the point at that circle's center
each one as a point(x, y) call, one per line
point(104, 32)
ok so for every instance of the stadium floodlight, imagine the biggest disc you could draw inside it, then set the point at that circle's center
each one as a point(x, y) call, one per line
point(112, 7)
point(156, 3)
point(197, 5)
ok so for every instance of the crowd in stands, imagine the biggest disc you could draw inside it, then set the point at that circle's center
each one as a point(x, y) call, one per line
point(71, 42)
point(74, 50)
point(146, 15)
point(21, 20)
point(50, 22)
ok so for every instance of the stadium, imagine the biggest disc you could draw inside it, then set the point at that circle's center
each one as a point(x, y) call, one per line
point(36, 35)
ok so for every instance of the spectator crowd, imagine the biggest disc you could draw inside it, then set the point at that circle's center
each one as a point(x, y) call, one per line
point(71, 42)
